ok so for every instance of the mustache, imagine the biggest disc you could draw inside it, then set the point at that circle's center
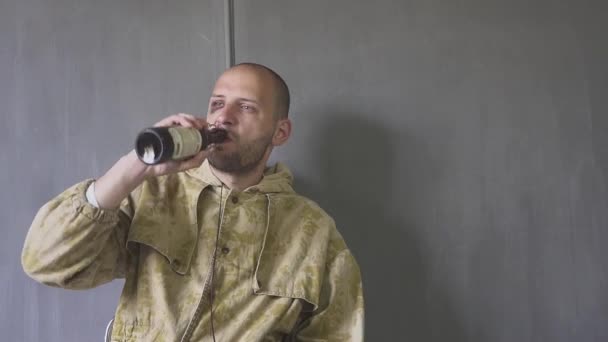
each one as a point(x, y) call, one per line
point(229, 133)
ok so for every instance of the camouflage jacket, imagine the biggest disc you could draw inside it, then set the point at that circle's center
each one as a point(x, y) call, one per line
point(282, 270)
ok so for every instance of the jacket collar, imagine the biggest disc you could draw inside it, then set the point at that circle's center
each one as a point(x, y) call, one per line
point(277, 178)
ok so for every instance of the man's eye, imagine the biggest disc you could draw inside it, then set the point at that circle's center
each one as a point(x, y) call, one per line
point(216, 104)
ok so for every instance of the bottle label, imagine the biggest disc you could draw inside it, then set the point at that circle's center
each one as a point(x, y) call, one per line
point(187, 141)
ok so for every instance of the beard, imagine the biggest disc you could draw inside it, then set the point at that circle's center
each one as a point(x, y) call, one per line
point(245, 158)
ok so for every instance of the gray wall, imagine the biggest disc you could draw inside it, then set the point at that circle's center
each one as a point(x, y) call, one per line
point(461, 146)
point(78, 80)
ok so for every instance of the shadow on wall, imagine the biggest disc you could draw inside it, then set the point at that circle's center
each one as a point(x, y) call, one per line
point(356, 161)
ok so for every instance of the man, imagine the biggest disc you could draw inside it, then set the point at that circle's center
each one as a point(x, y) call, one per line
point(217, 246)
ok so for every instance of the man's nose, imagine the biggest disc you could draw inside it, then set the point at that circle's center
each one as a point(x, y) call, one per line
point(225, 116)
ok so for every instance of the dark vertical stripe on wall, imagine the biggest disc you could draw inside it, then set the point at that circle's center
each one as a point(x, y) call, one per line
point(229, 31)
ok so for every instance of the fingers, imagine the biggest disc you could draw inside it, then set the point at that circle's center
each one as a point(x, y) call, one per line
point(182, 119)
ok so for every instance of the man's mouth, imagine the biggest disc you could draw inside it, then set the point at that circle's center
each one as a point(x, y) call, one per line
point(219, 145)
point(228, 138)
point(218, 135)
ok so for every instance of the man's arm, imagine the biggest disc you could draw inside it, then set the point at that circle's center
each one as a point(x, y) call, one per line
point(340, 315)
point(74, 244)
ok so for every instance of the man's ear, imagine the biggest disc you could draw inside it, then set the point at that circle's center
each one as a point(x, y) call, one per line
point(282, 132)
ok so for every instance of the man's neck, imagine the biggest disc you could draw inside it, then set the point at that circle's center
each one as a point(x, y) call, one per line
point(240, 181)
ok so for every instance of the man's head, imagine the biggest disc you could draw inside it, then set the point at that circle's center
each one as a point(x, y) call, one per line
point(252, 103)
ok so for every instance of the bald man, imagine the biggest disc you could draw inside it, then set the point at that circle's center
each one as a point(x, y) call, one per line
point(216, 246)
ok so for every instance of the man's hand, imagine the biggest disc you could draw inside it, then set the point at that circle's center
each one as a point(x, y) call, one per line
point(129, 172)
point(173, 166)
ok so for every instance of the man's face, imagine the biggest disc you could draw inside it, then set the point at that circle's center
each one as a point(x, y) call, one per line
point(243, 103)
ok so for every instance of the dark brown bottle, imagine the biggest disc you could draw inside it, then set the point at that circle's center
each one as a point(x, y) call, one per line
point(157, 145)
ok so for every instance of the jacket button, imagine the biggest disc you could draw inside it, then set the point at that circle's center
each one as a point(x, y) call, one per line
point(225, 250)
point(235, 199)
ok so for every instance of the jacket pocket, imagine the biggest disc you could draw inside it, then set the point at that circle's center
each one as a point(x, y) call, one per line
point(288, 278)
point(173, 237)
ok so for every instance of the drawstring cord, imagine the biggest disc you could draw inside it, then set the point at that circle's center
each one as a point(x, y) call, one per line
point(255, 274)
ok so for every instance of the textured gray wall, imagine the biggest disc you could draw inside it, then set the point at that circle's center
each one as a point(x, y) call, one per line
point(78, 79)
point(461, 146)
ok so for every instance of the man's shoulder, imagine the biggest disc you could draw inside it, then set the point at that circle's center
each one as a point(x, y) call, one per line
point(306, 208)
point(303, 217)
